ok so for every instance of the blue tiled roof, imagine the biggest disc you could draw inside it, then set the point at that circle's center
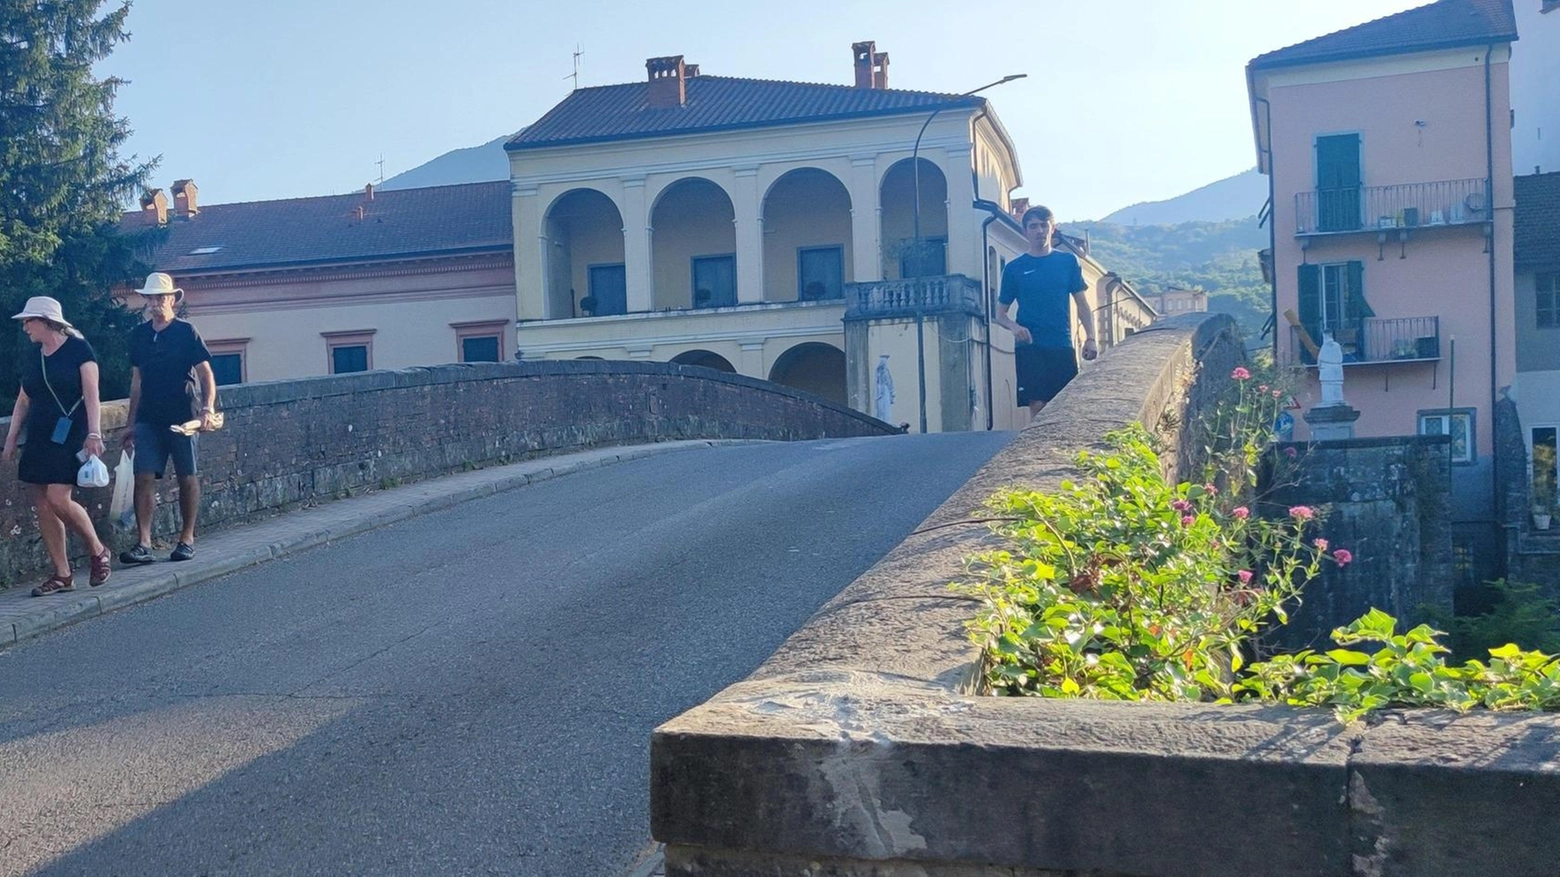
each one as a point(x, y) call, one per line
point(716, 103)
point(396, 223)
point(1442, 25)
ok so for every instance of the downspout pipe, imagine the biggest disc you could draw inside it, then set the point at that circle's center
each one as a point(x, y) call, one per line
point(985, 266)
point(1267, 152)
point(1489, 198)
point(985, 294)
point(997, 213)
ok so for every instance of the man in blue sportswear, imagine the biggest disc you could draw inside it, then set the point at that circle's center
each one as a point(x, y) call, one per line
point(1041, 281)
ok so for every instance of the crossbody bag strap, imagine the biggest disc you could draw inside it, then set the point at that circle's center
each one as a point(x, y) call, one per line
point(43, 364)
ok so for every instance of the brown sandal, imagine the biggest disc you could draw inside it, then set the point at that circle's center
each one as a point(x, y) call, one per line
point(55, 584)
point(100, 569)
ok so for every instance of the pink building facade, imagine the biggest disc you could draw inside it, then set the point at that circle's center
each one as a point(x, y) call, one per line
point(1388, 147)
point(1389, 152)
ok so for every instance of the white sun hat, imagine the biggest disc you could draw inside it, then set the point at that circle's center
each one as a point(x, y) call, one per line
point(158, 283)
point(42, 307)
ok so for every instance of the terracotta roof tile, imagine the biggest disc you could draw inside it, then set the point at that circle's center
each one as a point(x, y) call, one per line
point(472, 217)
point(1537, 220)
point(716, 103)
point(1441, 25)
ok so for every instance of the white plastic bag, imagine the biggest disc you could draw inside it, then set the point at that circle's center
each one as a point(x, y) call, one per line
point(121, 509)
point(92, 473)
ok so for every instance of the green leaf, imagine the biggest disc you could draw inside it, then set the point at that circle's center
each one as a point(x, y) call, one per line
point(1349, 658)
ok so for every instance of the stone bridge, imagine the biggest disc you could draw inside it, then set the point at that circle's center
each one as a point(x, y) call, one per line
point(301, 441)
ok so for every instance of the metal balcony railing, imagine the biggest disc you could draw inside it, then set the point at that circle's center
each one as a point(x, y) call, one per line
point(1375, 340)
point(947, 293)
point(1383, 208)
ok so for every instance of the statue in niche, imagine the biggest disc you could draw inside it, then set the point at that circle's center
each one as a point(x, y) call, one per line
point(1329, 370)
point(883, 392)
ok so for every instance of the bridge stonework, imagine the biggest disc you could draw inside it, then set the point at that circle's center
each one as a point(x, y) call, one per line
point(299, 441)
point(860, 750)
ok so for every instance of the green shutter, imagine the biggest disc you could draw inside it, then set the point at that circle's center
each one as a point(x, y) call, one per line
point(1310, 307)
point(1357, 307)
point(1311, 298)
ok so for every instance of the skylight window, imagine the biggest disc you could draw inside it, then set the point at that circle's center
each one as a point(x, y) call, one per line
point(204, 251)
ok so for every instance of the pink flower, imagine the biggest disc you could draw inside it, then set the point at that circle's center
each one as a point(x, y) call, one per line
point(1245, 576)
point(1240, 373)
point(1241, 512)
point(1187, 520)
point(1302, 512)
point(1210, 490)
point(1343, 557)
point(1181, 505)
point(1278, 393)
point(1291, 453)
point(1321, 544)
point(1262, 388)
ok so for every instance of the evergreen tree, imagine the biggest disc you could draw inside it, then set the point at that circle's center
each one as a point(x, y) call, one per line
point(63, 183)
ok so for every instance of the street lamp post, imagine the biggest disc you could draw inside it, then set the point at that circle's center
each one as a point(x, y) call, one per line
point(916, 254)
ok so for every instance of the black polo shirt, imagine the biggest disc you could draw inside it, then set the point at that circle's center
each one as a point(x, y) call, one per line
point(170, 392)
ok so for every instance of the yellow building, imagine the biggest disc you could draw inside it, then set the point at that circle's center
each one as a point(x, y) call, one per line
point(790, 231)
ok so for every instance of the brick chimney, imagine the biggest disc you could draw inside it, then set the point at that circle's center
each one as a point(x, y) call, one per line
point(154, 207)
point(184, 192)
point(368, 192)
point(871, 65)
point(668, 81)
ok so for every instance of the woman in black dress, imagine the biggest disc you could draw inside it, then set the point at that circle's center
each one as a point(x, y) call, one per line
point(58, 404)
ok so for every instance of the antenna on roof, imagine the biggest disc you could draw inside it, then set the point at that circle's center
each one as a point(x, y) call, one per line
point(576, 74)
point(381, 163)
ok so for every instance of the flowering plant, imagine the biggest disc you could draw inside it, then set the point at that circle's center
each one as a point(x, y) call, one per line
point(1120, 586)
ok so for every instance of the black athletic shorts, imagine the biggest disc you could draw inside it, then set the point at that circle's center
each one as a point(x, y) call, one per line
point(1043, 371)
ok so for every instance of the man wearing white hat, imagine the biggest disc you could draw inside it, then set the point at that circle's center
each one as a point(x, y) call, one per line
point(170, 380)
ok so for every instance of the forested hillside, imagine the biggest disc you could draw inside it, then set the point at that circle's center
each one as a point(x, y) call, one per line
point(1220, 257)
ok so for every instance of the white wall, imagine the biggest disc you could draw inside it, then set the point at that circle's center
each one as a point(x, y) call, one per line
point(1535, 89)
point(410, 314)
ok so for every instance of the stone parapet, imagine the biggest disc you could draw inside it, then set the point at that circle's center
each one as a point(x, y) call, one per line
point(860, 749)
point(312, 439)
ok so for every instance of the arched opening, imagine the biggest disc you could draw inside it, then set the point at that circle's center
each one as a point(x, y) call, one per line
point(593, 358)
point(705, 359)
point(807, 237)
point(902, 257)
point(815, 367)
point(585, 273)
point(695, 246)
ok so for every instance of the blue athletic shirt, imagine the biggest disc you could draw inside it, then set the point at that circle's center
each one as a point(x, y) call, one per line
point(1042, 286)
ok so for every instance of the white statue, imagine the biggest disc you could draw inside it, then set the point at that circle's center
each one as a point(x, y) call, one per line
point(1329, 369)
point(883, 392)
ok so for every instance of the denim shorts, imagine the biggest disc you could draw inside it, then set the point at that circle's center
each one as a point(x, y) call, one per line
point(155, 444)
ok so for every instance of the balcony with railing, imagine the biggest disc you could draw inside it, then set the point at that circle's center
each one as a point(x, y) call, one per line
point(1373, 341)
point(942, 294)
point(1360, 209)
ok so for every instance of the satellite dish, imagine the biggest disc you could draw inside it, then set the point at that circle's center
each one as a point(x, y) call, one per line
point(1474, 202)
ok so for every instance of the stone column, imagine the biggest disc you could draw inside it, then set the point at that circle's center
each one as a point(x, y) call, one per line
point(530, 252)
point(964, 255)
point(866, 221)
point(636, 247)
point(752, 360)
point(749, 209)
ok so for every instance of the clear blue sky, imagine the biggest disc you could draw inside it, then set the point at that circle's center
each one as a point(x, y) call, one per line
point(1126, 100)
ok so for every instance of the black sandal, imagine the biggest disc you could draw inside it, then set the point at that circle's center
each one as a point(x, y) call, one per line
point(55, 584)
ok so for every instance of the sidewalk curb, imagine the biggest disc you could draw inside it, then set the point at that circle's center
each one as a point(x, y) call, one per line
point(53, 616)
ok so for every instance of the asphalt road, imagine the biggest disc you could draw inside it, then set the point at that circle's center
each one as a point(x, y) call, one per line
point(466, 693)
